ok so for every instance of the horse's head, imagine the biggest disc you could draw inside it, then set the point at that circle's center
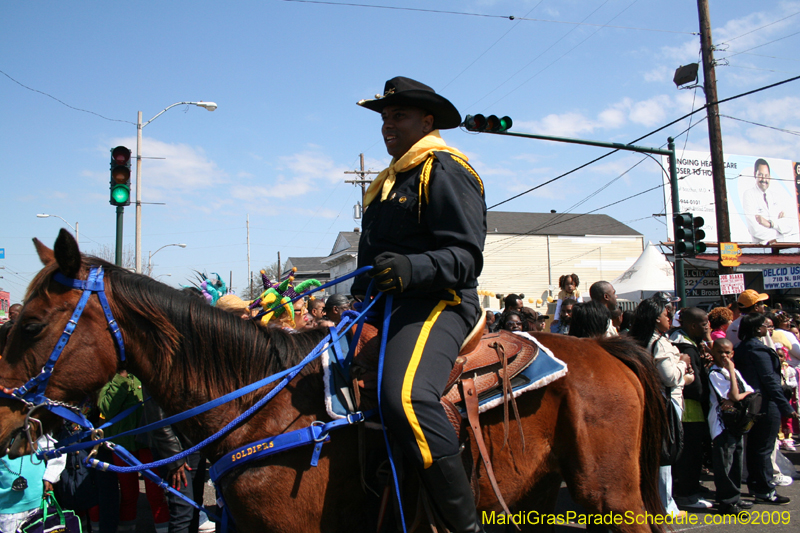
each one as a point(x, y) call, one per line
point(87, 362)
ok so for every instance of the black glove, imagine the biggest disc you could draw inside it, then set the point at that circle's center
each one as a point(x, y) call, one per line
point(391, 272)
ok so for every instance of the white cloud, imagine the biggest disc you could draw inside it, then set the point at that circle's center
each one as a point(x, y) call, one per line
point(310, 166)
point(651, 112)
point(615, 116)
point(183, 167)
point(774, 111)
point(659, 74)
point(569, 124)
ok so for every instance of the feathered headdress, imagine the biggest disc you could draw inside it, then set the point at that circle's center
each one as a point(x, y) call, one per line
point(277, 298)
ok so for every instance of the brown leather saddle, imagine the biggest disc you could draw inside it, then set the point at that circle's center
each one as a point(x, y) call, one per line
point(487, 362)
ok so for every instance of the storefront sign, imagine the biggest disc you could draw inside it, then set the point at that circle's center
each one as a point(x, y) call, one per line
point(730, 253)
point(787, 277)
point(731, 283)
point(701, 282)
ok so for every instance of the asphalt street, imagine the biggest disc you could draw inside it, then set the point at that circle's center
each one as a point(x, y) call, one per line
point(766, 518)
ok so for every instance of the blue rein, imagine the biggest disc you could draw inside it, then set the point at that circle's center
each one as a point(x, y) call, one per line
point(32, 394)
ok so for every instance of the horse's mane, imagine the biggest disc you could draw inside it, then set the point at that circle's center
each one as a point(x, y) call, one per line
point(189, 339)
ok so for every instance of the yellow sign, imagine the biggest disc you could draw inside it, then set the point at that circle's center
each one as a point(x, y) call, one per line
point(729, 252)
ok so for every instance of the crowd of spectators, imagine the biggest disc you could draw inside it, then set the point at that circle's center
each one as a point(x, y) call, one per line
point(706, 362)
point(696, 354)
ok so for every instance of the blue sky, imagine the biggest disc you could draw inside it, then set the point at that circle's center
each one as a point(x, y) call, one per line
point(286, 76)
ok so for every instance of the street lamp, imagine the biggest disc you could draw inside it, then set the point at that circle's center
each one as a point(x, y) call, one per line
point(74, 228)
point(150, 257)
point(211, 106)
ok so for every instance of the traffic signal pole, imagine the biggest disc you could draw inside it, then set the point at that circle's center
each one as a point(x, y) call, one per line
point(680, 278)
point(118, 251)
point(680, 282)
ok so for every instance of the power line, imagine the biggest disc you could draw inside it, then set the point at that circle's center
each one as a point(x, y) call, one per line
point(464, 13)
point(492, 46)
point(529, 63)
point(760, 28)
point(64, 103)
point(762, 125)
point(559, 219)
point(772, 57)
point(760, 45)
point(757, 68)
point(559, 58)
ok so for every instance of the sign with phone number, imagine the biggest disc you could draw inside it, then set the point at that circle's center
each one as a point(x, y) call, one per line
point(701, 282)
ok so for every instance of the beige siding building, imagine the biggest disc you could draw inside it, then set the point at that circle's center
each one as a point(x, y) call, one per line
point(527, 252)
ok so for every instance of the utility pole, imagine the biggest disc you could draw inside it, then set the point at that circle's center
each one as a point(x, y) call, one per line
point(249, 272)
point(362, 178)
point(714, 133)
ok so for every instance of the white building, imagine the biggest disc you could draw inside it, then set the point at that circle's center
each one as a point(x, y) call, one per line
point(527, 253)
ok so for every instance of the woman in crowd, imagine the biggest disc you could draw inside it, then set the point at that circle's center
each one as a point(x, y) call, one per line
point(760, 367)
point(513, 321)
point(651, 322)
point(783, 335)
point(589, 319)
point(719, 319)
point(627, 320)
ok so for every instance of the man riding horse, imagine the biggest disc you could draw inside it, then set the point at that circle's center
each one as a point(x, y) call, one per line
point(423, 232)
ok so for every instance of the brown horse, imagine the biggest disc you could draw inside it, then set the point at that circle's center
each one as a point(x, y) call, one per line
point(596, 428)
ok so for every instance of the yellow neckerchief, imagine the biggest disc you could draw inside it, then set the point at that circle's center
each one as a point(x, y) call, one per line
point(418, 153)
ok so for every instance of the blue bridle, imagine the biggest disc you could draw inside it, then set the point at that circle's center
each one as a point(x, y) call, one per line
point(32, 392)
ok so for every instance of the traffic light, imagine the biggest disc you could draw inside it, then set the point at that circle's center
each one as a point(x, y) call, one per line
point(120, 176)
point(491, 123)
point(698, 235)
point(688, 235)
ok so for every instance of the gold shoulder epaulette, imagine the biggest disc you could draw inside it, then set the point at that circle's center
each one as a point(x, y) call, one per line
point(469, 169)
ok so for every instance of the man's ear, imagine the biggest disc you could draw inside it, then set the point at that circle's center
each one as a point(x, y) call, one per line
point(427, 123)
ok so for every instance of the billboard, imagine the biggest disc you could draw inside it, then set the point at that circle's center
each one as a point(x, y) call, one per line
point(762, 196)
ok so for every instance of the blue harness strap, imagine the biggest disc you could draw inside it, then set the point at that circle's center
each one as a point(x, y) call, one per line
point(387, 314)
point(316, 433)
point(32, 394)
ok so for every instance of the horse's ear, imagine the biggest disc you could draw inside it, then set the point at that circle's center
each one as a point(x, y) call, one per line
point(67, 254)
point(45, 253)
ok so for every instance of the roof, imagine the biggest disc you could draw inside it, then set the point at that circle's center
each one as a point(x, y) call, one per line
point(308, 264)
point(574, 224)
point(352, 238)
point(759, 259)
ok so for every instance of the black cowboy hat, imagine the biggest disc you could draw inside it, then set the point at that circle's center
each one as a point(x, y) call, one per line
point(408, 92)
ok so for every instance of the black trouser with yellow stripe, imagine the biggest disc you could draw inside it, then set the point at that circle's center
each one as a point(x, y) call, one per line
point(423, 342)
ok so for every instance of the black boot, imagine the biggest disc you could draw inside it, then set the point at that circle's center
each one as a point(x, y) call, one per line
point(449, 489)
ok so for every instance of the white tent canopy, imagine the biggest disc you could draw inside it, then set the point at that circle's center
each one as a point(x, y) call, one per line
point(650, 273)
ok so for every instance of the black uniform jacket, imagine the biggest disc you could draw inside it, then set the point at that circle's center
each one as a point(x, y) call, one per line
point(442, 235)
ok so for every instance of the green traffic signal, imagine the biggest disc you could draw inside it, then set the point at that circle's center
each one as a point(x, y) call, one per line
point(698, 235)
point(688, 235)
point(120, 194)
point(120, 176)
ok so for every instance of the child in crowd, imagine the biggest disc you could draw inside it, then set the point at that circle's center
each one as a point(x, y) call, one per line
point(23, 483)
point(569, 290)
point(727, 447)
point(789, 386)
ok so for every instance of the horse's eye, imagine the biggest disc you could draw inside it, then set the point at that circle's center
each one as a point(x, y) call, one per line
point(33, 329)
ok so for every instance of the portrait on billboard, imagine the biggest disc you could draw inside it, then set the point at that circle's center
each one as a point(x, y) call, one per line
point(768, 200)
point(762, 196)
